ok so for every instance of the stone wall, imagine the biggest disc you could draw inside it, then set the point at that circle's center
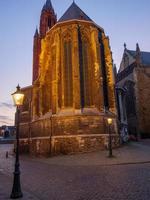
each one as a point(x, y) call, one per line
point(81, 143)
point(66, 134)
point(142, 88)
point(66, 145)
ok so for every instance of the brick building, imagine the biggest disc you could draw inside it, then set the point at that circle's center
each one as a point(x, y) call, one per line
point(72, 93)
point(133, 89)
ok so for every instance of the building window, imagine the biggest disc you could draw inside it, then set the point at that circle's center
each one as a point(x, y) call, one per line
point(36, 103)
point(45, 102)
point(130, 100)
point(68, 83)
point(49, 22)
point(86, 73)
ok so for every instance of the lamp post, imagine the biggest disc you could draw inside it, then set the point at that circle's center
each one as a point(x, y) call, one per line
point(18, 98)
point(109, 121)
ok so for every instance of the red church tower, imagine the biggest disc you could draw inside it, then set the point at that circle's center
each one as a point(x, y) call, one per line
point(47, 20)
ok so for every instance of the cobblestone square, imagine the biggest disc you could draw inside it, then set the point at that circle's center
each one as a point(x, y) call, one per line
point(90, 176)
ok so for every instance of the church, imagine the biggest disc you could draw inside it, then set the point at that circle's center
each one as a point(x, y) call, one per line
point(132, 86)
point(72, 93)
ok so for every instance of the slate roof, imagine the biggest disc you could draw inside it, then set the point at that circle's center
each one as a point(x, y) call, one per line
point(74, 12)
point(47, 5)
point(145, 56)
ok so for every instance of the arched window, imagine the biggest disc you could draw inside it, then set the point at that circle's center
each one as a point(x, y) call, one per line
point(130, 99)
point(49, 22)
point(45, 100)
point(42, 99)
point(36, 102)
point(86, 73)
point(68, 84)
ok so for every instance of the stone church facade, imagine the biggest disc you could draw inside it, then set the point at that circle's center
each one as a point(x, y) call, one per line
point(133, 91)
point(72, 92)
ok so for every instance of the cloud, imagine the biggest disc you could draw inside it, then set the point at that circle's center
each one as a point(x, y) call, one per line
point(2, 117)
point(2, 104)
point(7, 113)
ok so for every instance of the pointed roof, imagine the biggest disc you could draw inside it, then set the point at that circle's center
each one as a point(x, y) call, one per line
point(137, 48)
point(74, 12)
point(36, 32)
point(145, 56)
point(48, 5)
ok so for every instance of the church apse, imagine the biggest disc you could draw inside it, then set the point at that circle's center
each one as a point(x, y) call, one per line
point(68, 100)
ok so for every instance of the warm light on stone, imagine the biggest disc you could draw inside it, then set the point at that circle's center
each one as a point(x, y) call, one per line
point(109, 120)
point(73, 86)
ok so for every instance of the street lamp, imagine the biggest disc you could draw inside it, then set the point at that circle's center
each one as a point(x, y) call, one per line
point(109, 121)
point(18, 98)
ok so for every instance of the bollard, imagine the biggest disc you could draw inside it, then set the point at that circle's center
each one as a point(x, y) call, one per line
point(6, 154)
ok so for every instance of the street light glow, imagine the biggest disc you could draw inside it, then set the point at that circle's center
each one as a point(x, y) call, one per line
point(109, 120)
point(18, 97)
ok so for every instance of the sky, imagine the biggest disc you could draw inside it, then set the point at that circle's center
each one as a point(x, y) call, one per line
point(123, 21)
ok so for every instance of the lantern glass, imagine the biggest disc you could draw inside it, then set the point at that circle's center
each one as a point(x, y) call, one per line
point(18, 97)
point(109, 120)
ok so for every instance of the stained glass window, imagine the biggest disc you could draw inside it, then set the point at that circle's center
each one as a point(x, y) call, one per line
point(68, 83)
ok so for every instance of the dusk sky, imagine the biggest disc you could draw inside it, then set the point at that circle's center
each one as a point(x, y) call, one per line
point(123, 21)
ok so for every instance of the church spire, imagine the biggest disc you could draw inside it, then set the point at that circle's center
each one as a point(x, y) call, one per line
point(36, 33)
point(48, 18)
point(36, 53)
point(138, 55)
point(125, 46)
point(137, 48)
point(48, 5)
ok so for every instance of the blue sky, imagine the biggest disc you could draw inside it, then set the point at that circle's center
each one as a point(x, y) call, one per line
point(123, 21)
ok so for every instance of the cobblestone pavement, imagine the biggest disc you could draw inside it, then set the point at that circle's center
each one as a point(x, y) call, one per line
point(90, 176)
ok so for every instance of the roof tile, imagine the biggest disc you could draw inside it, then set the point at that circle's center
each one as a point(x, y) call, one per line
point(74, 12)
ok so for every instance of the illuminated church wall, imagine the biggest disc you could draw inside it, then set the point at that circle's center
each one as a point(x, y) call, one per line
point(73, 90)
point(71, 75)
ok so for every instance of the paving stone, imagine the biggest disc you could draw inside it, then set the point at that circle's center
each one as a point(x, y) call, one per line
point(90, 176)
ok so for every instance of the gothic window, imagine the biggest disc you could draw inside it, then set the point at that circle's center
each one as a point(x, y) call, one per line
point(86, 73)
point(68, 83)
point(130, 100)
point(124, 109)
point(49, 22)
point(37, 103)
point(44, 100)
point(98, 52)
point(49, 89)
